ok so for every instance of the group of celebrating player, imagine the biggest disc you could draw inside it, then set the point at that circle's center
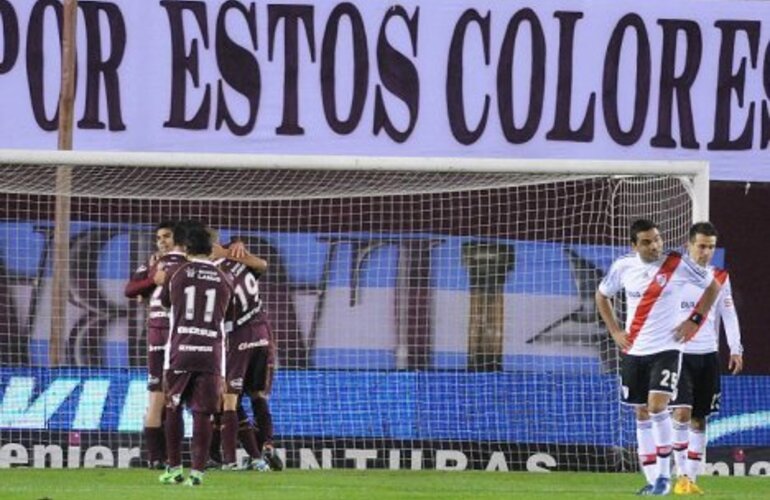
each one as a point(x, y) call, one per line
point(670, 342)
point(209, 346)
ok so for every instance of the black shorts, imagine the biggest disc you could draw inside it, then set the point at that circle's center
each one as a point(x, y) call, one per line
point(699, 384)
point(641, 375)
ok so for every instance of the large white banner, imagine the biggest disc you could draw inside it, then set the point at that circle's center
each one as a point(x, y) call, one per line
point(658, 79)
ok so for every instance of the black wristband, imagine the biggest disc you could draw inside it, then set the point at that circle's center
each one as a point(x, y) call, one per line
point(696, 318)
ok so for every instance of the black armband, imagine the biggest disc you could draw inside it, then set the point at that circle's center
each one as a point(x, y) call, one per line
point(696, 318)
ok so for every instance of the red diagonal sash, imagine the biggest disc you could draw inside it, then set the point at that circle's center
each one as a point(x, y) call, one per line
point(651, 295)
point(721, 276)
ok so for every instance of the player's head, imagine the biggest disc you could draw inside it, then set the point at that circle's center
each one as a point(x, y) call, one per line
point(646, 240)
point(164, 236)
point(181, 228)
point(702, 243)
point(197, 239)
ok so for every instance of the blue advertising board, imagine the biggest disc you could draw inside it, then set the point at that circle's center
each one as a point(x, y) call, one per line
point(518, 407)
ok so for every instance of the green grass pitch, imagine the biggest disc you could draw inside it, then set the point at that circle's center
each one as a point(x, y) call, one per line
point(139, 484)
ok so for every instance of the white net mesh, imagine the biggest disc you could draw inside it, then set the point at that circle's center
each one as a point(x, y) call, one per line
point(423, 319)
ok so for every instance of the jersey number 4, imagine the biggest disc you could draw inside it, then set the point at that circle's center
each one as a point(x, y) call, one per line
point(208, 310)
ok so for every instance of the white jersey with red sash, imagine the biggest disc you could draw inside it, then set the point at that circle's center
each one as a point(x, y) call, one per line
point(706, 339)
point(653, 296)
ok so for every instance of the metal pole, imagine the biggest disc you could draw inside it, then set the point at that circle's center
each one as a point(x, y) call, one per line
point(61, 237)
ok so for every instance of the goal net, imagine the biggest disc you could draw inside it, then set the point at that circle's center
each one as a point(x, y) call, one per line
point(428, 313)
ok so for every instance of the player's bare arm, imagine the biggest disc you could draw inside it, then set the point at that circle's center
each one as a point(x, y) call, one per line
point(690, 326)
point(607, 312)
point(237, 252)
point(253, 262)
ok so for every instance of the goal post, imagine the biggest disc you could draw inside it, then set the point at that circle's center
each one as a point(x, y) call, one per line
point(694, 174)
point(428, 312)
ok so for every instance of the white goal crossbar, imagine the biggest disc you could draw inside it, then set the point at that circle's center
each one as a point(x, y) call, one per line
point(696, 171)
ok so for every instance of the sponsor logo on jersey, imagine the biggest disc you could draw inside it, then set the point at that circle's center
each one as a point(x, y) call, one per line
point(195, 348)
point(251, 345)
point(194, 330)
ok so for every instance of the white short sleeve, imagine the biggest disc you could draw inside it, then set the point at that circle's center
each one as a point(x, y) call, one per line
point(611, 284)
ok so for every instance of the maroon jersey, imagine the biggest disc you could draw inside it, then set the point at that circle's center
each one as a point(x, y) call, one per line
point(158, 315)
point(198, 295)
point(141, 283)
point(247, 304)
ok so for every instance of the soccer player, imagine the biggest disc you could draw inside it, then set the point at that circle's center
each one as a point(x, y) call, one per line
point(198, 294)
point(652, 339)
point(260, 407)
point(248, 354)
point(699, 388)
point(142, 286)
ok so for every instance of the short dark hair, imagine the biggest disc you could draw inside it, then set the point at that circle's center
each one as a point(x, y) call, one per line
point(705, 228)
point(166, 224)
point(640, 226)
point(194, 236)
point(180, 233)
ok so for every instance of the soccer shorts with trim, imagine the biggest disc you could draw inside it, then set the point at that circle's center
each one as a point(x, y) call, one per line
point(156, 354)
point(249, 357)
point(641, 375)
point(200, 391)
point(700, 386)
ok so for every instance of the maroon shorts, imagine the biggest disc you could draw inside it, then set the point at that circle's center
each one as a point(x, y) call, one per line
point(156, 353)
point(250, 359)
point(199, 391)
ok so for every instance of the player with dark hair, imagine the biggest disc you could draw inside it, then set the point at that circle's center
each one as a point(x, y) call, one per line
point(699, 390)
point(263, 418)
point(250, 359)
point(652, 339)
point(143, 286)
point(198, 295)
point(257, 436)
